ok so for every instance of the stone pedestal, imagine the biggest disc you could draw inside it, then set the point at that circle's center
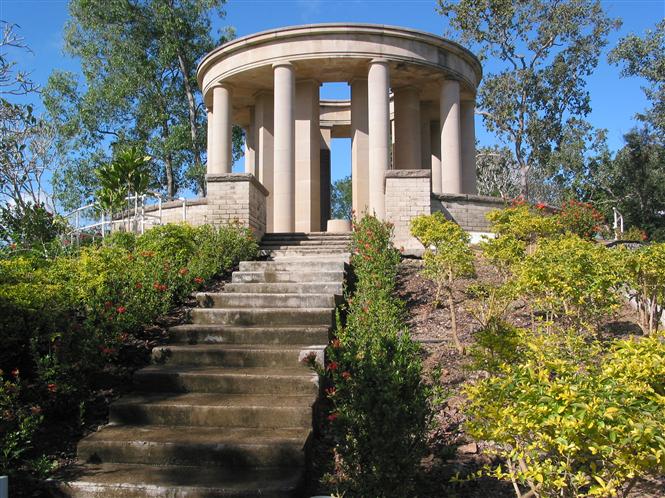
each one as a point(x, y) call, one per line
point(407, 196)
point(237, 196)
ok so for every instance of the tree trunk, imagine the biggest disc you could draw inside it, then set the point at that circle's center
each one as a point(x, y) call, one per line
point(191, 104)
point(168, 165)
point(453, 320)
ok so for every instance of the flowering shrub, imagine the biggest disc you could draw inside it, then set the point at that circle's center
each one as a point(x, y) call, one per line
point(447, 258)
point(573, 419)
point(373, 376)
point(65, 319)
point(580, 218)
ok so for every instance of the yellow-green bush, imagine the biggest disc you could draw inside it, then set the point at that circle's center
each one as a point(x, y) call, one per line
point(646, 277)
point(572, 418)
point(572, 279)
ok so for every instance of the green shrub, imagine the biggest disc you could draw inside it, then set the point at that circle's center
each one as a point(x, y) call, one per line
point(516, 230)
point(571, 279)
point(646, 276)
point(447, 258)
point(373, 377)
point(573, 419)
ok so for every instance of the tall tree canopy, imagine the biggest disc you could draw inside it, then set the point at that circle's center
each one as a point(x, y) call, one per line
point(645, 57)
point(538, 95)
point(138, 59)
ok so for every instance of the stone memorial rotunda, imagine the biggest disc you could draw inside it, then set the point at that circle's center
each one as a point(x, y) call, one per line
point(410, 118)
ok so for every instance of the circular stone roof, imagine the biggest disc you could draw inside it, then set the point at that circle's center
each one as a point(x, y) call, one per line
point(338, 52)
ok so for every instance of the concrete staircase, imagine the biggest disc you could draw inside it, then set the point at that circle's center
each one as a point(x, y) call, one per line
point(226, 407)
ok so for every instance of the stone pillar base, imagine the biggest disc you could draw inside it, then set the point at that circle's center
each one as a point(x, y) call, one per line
point(237, 197)
point(407, 196)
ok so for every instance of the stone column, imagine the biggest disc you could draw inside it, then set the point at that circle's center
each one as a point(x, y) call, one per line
point(435, 157)
point(451, 150)
point(326, 142)
point(284, 181)
point(359, 146)
point(307, 157)
point(220, 145)
point(468, 130)
point(263, 123)
point(425, 137)
point(250, 137)
point(407, 128)
point(378, 110)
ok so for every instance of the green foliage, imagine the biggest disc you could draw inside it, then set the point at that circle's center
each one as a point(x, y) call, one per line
point(17, 424)
point(128, 174)
point(516, 230)
point(634, 183)
point(538, 95)
point(447, 257)
point(140, 60)
point(571, 279)
point(373, 377)
point(341, 199)
point(580, 218)
point(572, 419)
point(31, 226)
point(63, 320)
point(645, 57)
point(646, 276)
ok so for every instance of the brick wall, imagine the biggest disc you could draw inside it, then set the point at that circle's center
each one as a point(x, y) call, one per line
point(407, 196)
point(237, 196)
point(467, 210)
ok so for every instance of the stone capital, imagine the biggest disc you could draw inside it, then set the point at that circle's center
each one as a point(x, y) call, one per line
point(282, 64)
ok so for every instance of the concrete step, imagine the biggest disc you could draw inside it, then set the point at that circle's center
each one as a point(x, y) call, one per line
point(256, 380)
point(195, 446)
point(291, 253)
point(228, 334)
point(214, 410)
point(303, 243)
point(295, 276)
point(233, 355)
point(306, 236)
point(256, 300)
point(142, 481)
point(286, 288)
point(264, 316)
point(295, 264)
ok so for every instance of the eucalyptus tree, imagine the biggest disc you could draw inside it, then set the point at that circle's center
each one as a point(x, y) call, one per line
point(544, 50)
point(645, 57)
point(138, 59)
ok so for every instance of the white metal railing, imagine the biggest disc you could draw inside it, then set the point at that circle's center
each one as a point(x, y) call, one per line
point(134, 218)
point(618, 223)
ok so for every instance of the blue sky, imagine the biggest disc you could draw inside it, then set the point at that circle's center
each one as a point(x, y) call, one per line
point(614, 101)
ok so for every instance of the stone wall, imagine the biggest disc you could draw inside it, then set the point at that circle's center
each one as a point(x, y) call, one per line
point(237, 196)
point(196, 212)
point(467, 210)
point(407, 196)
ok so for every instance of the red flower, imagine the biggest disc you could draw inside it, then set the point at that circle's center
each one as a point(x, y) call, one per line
point(332, 366)
point(108, 305)
point(541, 205)
point(138, 285)
point(148, 254)
point(335, 343)
point(159, 287)
point(332, 417)
point(52, 387)
point(331, 391)
point(309, 358)
point(15, 372)
point(183, 271)
point(346, 375)
point(12, 246)
point(121, 309)
point(199, 280)
point(36, 410)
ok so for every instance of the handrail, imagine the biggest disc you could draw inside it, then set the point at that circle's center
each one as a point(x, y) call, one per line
point(133, 222)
